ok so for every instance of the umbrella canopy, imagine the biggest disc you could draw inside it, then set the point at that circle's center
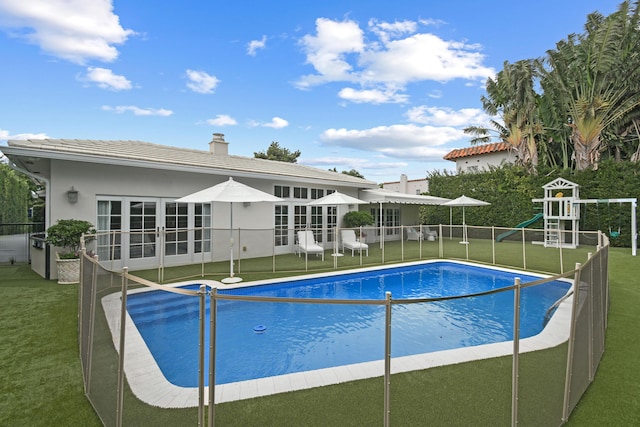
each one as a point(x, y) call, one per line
point(229, 191)
point(336, 198)
point(465, 201)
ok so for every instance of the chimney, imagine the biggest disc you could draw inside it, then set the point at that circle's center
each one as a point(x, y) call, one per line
point(218, 145)
point(404, 188)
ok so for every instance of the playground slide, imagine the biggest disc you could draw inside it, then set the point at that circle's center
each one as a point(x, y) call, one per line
point(536, 217)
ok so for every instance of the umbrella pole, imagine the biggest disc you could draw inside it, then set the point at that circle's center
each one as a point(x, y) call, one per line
point(231, 278)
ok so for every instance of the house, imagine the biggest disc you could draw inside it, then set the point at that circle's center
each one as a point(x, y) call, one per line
point(481, 157)
point(128, 190)
point(408, 186)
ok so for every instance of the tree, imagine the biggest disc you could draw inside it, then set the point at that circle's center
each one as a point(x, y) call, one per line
point(356, 219)
point(281, 154)
point(594, 79)
point(14, 196)
point(512, 98)
point(351, 172)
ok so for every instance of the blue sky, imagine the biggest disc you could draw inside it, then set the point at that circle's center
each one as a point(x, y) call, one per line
point(378, 86)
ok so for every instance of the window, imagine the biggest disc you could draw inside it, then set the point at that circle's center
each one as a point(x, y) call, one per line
point(202, 224)
point(142, 224)
point(282, 191)
point(300, 192)
point(317, 193)
point(390, 220)
point(109, 246)
point(332, 222)
point(316, 222)
point(281, 225)
point(176, 234)
point(299, 217)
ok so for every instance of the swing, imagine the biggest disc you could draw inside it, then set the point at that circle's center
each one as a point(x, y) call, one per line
point(590, 235)
point(615, 234)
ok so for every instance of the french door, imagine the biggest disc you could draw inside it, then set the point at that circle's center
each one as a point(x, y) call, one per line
point(143, 232)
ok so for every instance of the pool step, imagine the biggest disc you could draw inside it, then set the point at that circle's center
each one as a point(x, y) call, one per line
point(165, 305)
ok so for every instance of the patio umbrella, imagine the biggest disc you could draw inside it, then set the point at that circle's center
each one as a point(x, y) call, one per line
point(465, 201)
point(229, 191)
point(334, 199)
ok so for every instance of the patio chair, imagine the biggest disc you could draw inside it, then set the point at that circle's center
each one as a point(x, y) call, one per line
point(429, 234)
point(307, 244)
point(348, 240)
point(413, 234)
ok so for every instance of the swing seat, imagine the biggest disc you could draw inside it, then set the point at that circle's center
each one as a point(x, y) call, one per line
point(614, 234)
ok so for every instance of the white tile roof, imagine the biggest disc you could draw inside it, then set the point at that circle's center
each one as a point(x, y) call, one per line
point(103, 151)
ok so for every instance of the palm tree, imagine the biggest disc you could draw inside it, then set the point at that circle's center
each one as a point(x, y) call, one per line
point(512, 100)
point(593, 78)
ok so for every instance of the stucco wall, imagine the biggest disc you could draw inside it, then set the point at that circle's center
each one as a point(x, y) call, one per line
point(480, 162)
point(93, 181)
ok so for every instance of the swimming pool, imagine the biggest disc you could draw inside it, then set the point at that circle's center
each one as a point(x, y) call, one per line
point(308, 337)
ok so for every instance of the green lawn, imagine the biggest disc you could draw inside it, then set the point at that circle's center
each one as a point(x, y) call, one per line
point(42, 380)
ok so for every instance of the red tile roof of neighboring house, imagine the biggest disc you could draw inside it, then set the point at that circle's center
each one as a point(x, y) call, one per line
point(476, 150)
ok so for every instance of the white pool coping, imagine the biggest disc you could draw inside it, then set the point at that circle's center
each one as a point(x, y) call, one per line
point(150, 386)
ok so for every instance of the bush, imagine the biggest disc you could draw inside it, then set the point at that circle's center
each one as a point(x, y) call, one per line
point(356, 219)
point(66, 234)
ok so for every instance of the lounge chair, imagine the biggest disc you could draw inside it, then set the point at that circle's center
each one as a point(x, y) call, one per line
point(413, 234)
point(429, 234)
point(307, 244)
point(348, 240)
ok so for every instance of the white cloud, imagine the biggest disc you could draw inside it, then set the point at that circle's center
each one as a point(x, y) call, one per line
point(201, 82)
point(275, 123)
point(372, 96)
point(442, 116)
point(386, 58)
point(105, 79)
point(425, 57)
point(137, 111)
point(6, 135)
point(75, 30)
point(222, 120)
point(388, 30)
point(327, 51)
point(254, 45)
point(408, 141)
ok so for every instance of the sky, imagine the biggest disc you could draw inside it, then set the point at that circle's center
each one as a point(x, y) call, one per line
point(381, 87)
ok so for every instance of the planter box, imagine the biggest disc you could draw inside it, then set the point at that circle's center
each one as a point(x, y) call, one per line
point(68, 271)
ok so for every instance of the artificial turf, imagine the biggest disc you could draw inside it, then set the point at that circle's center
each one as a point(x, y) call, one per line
point(42, 379)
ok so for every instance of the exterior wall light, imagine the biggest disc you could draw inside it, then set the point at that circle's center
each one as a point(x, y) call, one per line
point(72, 195)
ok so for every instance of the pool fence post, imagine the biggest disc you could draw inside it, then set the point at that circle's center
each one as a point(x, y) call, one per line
point(213, 313)
point(493, 244)
point(202, 250)
point(201, 294)
point(571, 344)
point(123, 324)
point(561, 260)
point(387, 359)
point(524, 249)
point(516, 352)
point(273, 250)
point(590, 292)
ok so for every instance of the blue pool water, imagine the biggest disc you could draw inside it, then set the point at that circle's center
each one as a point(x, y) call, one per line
point(301, 337)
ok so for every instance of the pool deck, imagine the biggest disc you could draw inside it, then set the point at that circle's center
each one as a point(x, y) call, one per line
point(149, 384)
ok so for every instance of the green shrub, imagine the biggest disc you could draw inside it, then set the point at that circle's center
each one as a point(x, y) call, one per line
point(66, 234)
